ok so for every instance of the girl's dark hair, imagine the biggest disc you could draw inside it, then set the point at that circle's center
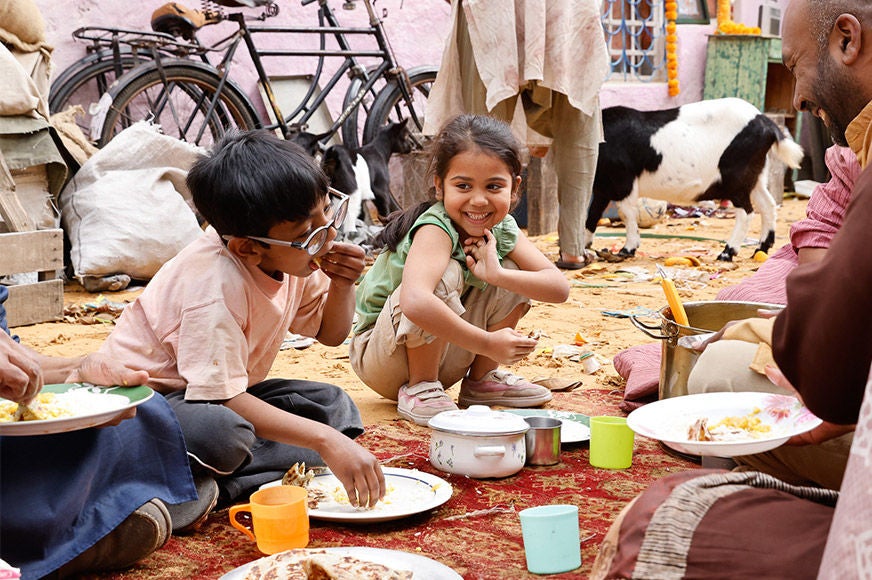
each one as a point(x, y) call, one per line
point(252, 180)
point(461, 134)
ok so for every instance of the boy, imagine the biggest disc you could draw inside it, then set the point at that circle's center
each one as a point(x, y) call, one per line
point(210, 324)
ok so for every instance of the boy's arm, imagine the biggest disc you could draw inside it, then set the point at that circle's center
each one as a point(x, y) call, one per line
point(343, 264)
point(537, 278)
point(23, 371)
point(357, 469)
point(95, 368)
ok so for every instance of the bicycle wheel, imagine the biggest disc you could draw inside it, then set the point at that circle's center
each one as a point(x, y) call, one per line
point(352, 128)
point(182, 104)
point(392, 106)
point(84, 81)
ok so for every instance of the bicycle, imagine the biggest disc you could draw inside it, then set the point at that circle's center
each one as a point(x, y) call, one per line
point(111, 52)
point(198, 102)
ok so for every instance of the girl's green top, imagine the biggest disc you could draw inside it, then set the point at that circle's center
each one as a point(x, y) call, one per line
point(387, 272)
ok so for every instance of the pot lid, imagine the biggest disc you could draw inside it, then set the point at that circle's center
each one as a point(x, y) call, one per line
point(479, 420)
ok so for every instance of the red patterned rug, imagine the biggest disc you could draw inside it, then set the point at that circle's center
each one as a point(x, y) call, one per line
point(461, 533)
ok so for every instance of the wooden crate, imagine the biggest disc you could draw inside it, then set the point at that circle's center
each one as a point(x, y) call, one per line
point(38, 251)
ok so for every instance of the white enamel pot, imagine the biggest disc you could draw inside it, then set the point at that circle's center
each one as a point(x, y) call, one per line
point(478, 442)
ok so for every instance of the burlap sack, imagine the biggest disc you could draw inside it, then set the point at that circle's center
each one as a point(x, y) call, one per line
point(125, 211)
point(19, 93)
point(75, 141)
point(22, 25)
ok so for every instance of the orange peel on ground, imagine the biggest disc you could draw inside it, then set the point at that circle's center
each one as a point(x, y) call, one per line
point(682, 261)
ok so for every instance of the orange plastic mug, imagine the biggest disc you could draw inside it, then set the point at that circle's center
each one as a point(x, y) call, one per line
point(279, 518)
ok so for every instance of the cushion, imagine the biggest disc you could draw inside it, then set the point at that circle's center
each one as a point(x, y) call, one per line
point(640, 366)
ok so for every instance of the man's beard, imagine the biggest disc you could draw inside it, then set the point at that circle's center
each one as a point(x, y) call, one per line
point(840, 94)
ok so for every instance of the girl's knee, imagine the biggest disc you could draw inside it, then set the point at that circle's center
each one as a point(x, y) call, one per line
point(452, 281)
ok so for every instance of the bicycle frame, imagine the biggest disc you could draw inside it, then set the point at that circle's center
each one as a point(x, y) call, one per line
point(310, 103)
point(196, 100)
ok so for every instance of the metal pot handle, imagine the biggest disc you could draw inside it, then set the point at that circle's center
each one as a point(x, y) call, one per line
point(647, 328)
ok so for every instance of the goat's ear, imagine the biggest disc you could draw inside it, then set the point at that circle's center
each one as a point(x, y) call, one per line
point(404, 122)
point(847, 34)
point(328, 162)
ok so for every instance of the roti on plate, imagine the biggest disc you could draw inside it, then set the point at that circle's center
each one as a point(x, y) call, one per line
point(303, 564)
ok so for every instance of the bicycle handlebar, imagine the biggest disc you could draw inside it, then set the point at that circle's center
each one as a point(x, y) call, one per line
point(307, 2)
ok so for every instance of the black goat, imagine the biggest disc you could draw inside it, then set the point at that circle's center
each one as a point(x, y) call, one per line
point(364, 173)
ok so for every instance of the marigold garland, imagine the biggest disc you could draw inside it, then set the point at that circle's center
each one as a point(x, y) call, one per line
point(672, 48)
point(726, 25)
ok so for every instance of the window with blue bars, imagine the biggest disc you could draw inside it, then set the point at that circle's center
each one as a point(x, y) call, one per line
point(635, 33)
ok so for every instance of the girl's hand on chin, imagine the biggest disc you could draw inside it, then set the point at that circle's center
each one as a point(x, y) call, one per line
point(481, 256)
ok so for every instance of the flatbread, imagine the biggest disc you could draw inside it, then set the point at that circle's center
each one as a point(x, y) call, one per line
point(282, 566)
point(303, 564)
point(333, 566)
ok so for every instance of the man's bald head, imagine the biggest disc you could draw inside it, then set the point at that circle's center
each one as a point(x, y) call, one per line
point(822, 15)
point(827, 45)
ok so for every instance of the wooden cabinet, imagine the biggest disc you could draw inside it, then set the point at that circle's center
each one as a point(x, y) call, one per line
point(749, 67)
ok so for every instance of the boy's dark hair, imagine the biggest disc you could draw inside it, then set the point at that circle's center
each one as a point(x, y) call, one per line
point(252, 180)
point(460, 134)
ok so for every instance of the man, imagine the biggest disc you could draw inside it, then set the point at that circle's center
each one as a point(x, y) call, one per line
point(89, 500)
point(825, 51)
point(823, 341)
point(822, 344)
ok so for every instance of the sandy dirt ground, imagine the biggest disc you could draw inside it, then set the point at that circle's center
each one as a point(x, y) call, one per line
point(601, 287)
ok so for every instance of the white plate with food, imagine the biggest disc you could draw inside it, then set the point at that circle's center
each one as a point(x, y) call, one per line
point(70, 407)
point(409, 492)
point(574, 427)
point(723, 424)
point(399, 565)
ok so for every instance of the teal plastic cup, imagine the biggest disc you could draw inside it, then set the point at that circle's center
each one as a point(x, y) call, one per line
point(611, 442)
point(551, 540)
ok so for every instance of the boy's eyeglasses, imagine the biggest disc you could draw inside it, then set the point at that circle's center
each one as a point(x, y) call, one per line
point(316, 240)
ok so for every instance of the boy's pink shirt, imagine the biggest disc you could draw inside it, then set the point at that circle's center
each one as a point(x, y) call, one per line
point(211, 324)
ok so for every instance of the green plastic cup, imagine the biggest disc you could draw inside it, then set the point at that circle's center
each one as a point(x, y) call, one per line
point(611, 443)
point(551, 538)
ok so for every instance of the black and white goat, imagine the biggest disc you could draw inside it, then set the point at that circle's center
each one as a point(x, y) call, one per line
point(364, 173)
point(709, 150)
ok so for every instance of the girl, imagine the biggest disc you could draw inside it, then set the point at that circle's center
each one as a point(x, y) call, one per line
point(442, 300)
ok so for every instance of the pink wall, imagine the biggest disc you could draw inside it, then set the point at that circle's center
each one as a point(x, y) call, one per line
point(417, 29)
point(747, 11)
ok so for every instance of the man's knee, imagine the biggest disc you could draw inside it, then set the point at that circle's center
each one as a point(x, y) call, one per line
point(724, 366)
